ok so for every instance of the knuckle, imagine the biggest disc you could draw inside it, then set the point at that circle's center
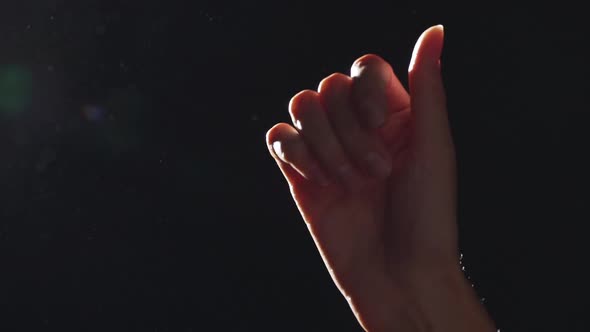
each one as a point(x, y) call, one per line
point(372, 68)
point(276, 132)
point(367, 60)
point(301, 106)
point(300, 102)
point(333, 81)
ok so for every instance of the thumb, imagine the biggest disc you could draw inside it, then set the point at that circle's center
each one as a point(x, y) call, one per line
point(427, 95)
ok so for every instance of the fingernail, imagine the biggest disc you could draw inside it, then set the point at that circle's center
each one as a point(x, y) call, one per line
point(418, 45)
point(276, 147)
point(379, 166)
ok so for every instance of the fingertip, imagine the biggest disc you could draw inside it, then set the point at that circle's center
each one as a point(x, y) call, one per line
point(373, 66)
point(373, 84)
point(267, 137)
point(440, 27)
point(428, 48)
point(271, 134)
point(439, 30)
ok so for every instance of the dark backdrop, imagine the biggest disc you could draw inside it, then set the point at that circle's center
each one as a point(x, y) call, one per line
point(136, 192)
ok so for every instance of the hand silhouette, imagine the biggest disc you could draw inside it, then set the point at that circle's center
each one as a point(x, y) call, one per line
point(372, 170)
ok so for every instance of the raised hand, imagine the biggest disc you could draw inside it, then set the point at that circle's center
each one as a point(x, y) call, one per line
point(372, 170)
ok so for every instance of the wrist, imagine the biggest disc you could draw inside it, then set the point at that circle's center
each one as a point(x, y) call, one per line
point(435, 300)
point(448, 302)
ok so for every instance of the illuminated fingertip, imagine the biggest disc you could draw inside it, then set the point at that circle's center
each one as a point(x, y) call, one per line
point(415, 51)
point(277, 148)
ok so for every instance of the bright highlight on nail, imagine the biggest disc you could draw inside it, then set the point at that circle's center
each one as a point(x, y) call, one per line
point(356, 70)
point(276, 146)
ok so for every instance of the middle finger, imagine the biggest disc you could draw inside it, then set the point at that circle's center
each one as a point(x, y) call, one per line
point(367, 150)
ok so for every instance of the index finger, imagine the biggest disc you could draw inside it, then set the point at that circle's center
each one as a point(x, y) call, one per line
point(377, 92)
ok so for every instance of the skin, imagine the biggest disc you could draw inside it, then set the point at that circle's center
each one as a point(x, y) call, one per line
point(386, 230)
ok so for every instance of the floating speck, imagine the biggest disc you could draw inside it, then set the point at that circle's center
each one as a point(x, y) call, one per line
point(93, 113)
point(16, 88)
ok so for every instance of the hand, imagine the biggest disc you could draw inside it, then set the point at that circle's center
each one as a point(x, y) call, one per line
point(372, 170)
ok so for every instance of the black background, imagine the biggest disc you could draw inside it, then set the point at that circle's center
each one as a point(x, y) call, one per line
point(137, 193)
